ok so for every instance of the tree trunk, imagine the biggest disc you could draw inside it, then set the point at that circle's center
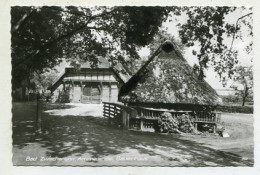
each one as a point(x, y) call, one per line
point(245, 95)
point(39, 114)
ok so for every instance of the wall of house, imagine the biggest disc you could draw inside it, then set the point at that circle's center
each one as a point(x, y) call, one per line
point(114, 93)
point(74, 83)
point(110, 92)
point(95, 75)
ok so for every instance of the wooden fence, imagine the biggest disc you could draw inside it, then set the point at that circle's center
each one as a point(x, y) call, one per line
point(144, 119)
point(208, 117)
point(118, 114)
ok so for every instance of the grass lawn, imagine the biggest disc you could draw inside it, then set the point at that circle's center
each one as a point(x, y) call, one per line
point(84, 140)
point(241, 140)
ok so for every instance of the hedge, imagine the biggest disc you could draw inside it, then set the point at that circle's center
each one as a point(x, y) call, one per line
point(236, 109)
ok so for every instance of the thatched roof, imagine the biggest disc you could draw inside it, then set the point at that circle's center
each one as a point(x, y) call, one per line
point(168, 78)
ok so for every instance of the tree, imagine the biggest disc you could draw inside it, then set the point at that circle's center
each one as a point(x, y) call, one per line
point(42, 36)
point(43, 81)
point(243, 85)
point(207, 27)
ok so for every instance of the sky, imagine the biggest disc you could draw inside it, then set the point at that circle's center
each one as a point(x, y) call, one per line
point(211, 77)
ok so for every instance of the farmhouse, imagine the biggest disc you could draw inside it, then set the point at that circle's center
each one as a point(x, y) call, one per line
point(88, 84)
point(168, 79)
point(165, 83)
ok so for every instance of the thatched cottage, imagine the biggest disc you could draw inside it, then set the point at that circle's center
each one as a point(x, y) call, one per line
point(166, 81)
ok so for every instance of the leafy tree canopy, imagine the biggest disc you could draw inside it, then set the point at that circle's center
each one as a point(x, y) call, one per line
point(208, 27)
point(42, 36)
point(243, 82)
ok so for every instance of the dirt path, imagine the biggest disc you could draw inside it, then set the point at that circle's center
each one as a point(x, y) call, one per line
point(88, 141)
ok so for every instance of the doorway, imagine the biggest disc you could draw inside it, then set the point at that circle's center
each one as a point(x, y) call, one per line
point(91, 94)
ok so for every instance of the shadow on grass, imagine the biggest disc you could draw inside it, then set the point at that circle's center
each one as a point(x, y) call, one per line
point(77, 135)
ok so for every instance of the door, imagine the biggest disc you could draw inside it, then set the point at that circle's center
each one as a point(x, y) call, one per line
point(76, 95)
point(91, 94)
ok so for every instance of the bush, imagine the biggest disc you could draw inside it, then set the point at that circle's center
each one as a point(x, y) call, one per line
point(236, 109)
point(181, 124)
point(185, 123)
point(168, 124)
point(64, 97)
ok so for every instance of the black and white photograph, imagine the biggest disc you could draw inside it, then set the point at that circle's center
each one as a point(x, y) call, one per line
point(135, 86)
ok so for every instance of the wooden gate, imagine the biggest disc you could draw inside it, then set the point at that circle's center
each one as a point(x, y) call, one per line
point(91, 94)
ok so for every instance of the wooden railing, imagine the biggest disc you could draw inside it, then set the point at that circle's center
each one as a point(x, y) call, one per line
point(118, 114)
point(145, 119)
point(207, 117)
point(143, 124)
point(213, 117)
point(147, 113)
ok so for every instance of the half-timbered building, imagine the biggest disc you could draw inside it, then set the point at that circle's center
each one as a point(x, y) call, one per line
point(88, 84)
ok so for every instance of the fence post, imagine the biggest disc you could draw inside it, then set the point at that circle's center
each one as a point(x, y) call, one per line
point(125, 114)
point(109, 118)
point(196, 126)
point(214, 129)
point(141, 124)
point(127, 120)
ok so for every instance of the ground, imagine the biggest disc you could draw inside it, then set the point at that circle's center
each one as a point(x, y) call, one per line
point(76, 134)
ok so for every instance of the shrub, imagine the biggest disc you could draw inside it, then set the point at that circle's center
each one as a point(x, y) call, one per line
point(168, 124)
point(185, 123)
point(64, 97)
point(181, 124)
point(236, 109)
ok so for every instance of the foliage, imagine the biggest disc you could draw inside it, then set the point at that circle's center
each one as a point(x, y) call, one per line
point(208, 27)
point(64, 97)
point(230, 99)
point(236, 109)
point(42, 36)
point(168, 124)
point(43, 81)
point(185, 123)
point(181, 124)
point(243, 83)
